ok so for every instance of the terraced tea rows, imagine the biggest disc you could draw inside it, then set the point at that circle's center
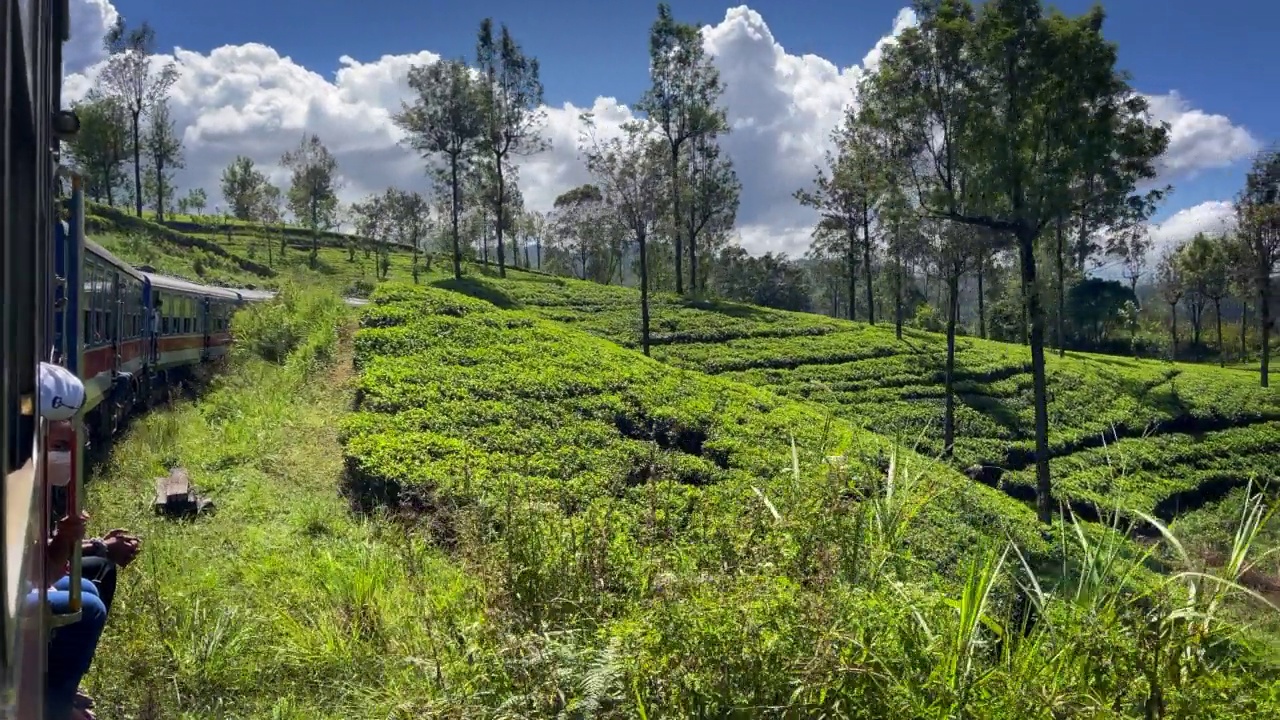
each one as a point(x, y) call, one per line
point(1124, 433)
point(464, 406)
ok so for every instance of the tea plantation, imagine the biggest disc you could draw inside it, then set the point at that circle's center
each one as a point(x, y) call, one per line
point(1124, 434)
point(718, 539)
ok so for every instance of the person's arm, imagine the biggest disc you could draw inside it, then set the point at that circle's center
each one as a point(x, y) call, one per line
point(66, 533)
point(93, 547)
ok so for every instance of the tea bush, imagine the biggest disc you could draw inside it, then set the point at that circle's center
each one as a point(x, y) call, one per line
point(656, 542)
point(1130, 422)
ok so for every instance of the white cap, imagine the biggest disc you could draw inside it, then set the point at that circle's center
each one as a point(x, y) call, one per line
point(61, 392)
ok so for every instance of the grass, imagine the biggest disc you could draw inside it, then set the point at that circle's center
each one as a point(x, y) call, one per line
point(200, 249)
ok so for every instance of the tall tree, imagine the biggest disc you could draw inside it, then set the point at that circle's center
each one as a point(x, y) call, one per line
point(511, 102)
point(270, 213)
point(713, 190)
point(682, 100)
point(580, 225)
point(99, 148)
point(628, 173)
point(840, 193)
point(995, 104)
point(954, 247)
point(313, 188)
point(1258, 217)
point(411, 220)
point(164, 153)
point(242, 184)
point(446, 119)
point(130, 78)
point(1172, 287)
point(1200, 268)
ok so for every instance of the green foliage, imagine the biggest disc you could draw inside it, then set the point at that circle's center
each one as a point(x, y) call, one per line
point(297, 326)
point(865, 375)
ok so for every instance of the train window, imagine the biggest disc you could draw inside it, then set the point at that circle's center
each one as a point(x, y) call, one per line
point(109, 307)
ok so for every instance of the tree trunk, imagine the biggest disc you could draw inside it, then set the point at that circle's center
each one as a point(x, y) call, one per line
point(1026, 339)
point(106, 182)
point(675, 215)
point(897, 296)
point(853, 269)
point(1264, 321)
point(949, 419)
point(159, 188)
point(644, 293)
point(866, 261)
point(693, 252)
point(1244, 331)
point(137, 165)
point(1061, 281)
point(1217, 316)
point(457, 244)
point(499, 215)
point(538, 241)
point(315, 230)
point(1031, 305)
point(982, 299)
point(1173, 331)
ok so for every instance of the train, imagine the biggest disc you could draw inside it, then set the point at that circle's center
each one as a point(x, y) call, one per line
point(129, 335)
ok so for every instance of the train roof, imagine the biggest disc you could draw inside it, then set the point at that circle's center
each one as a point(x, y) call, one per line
point(173, 284)
point(105, 254)
point(256, 295)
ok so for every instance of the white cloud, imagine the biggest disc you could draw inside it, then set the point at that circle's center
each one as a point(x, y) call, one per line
point(1214, 217)
point(1199, 140)
point(90, 20)
point(248, 99)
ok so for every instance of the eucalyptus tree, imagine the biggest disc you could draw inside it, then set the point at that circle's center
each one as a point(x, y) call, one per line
point(129, 77)
point(313, 188)
point(628, 171)
point(682, 101)
point(842, 194)
point(242, 184)
point(1258, 218)
point(713, 190)
point(164, 154)
point(1004, 108)
point(510, 93)
point(446, 119)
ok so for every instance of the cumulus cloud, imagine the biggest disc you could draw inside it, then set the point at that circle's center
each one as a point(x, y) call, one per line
point(1214, 217)
point(1199, 140)
point(248, 99)
point(90, 20)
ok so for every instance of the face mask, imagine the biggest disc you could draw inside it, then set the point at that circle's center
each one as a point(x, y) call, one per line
point(59, 468)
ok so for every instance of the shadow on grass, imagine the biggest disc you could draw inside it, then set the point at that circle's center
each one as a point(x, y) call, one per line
point(478, 289)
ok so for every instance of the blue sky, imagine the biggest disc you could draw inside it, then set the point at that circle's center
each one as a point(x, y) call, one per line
point(1212, 55)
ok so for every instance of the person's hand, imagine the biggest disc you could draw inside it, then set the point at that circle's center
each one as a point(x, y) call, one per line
point(70, 529)
point(122, 547)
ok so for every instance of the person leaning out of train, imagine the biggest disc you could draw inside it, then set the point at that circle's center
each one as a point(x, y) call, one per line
point(72, 647)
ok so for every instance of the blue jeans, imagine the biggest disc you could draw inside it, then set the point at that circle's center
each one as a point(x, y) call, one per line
point(72, 646)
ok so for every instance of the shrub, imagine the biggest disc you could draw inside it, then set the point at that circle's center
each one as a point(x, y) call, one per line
point(298, 326)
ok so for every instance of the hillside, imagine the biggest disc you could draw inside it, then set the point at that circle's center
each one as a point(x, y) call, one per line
point(202, 250)
point(703, 538)
point(1127, 434)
